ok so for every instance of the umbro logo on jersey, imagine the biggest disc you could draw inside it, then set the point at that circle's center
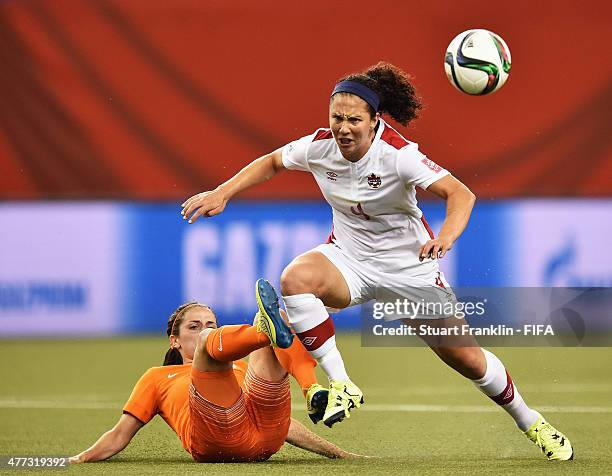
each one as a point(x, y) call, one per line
point(332, 176)
point(374, 181)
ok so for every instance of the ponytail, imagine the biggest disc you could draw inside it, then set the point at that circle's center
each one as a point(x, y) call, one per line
point(398, 97)
point(173, 357)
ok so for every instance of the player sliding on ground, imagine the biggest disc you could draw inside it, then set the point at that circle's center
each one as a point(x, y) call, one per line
point(220, 408)
point(380, 241)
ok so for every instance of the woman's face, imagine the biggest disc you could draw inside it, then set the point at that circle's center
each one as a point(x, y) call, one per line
point(194, 321)
point(351, 125)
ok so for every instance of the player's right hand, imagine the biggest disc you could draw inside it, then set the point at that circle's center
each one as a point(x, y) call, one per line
point(436, 248)
point(206, 203)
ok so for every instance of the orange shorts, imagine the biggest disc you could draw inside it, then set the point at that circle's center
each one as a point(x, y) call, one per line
point(252, 428)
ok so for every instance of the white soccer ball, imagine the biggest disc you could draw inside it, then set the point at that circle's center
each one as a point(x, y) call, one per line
point(477, 62)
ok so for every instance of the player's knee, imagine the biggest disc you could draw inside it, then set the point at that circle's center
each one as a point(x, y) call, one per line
point(299, 278)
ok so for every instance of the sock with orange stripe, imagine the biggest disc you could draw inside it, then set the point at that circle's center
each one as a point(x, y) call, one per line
point(298, 362)
point(315, 329)
point(229, 343)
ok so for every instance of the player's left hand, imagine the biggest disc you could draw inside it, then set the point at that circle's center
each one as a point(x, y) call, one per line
point(349, 455)
point(435, 248)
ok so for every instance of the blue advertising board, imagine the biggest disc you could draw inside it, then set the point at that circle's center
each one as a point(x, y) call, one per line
point(87, 268)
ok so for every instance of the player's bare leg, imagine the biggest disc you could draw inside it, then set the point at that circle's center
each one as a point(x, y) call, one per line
point(308, 284)
point(266, 366)
point(468, 361)
point(312, 272)
point(488, 373)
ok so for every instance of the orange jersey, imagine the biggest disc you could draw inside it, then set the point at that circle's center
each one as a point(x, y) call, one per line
point(165, 391)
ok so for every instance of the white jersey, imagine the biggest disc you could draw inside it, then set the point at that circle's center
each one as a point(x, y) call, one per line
point(375, 212)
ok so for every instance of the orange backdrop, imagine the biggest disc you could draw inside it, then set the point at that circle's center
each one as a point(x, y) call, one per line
point(143, 99)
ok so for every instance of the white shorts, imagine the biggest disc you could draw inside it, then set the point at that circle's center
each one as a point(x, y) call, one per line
point(367, 282)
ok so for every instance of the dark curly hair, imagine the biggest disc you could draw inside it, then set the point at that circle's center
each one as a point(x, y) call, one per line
point(173, 356)
point(397, 96)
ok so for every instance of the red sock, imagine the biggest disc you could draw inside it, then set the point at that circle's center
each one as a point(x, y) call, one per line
point(298, 362)
point(229, 343)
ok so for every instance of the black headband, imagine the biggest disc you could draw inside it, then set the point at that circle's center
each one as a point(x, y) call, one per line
point(360, 90)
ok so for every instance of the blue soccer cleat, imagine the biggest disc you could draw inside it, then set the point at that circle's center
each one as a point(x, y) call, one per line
point(270, 321)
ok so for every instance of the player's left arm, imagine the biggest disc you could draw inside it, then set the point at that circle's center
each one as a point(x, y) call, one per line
point(111, 442)
point(459, 203)
point(302, 437)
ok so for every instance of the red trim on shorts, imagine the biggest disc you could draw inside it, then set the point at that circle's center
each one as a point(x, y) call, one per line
point(323, 134)
point(427, 227)
point(507, 395)
point(314, 338)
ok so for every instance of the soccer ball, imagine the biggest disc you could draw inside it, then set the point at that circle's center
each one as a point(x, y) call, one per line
point(477, 62)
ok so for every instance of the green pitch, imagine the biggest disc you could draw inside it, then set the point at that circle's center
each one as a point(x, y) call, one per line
point(57, 397)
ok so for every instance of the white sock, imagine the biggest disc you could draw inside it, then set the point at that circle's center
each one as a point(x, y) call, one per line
point(315, 329)
point(498, 385)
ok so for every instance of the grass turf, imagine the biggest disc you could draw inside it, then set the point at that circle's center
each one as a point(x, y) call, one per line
point(57, 397)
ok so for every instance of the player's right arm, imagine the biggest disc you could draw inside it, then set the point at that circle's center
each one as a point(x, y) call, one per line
point(213, 202)
point(302, 437)
point(111, 442)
